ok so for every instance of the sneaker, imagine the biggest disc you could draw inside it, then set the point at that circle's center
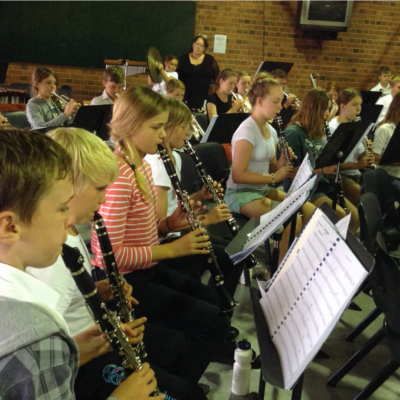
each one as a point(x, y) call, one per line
point(205, 388)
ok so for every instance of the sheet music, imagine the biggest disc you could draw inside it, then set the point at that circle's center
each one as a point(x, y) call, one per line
point(309, 294)
point(209, 129)
point(343, 225)
point(304, 173)
point(272, 220)
point(350, 157)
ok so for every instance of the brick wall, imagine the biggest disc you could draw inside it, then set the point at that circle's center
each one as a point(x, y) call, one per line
point(259, 31)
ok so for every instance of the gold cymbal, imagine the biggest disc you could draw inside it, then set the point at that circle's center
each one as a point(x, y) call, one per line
point(153, 58)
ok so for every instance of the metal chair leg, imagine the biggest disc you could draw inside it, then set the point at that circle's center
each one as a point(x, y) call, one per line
point(359, 355)
point(371, 317)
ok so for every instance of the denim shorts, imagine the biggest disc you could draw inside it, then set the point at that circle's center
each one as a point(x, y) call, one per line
point(236, 199)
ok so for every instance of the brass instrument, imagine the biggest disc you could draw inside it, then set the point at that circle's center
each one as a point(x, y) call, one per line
point(195, 129)
point(4, 124)
point(62, 101)
point(246, 107)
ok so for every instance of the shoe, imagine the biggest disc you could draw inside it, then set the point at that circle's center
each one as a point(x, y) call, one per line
point(260, 272)
point(205, 388)
point(226, 353)
point(233, 333)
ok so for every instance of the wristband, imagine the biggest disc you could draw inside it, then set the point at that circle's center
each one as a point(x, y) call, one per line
point(273, 178)
point(166, 220)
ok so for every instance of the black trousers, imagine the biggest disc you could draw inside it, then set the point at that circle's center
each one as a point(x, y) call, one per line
point(98, 378)
point(174, 301)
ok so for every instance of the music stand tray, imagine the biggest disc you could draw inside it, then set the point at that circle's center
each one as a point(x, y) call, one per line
point(94, 119)
point(391, 153)
point(222, 127)
point(269, 66)
point(369, 97)
point(343, 141)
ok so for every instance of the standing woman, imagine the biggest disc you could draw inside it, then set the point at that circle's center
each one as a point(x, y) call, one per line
point(382, 138)
point(349, 102)
point(166, 297)
point(306, 132)
point(198, 71)
point(254, 163)
point(221, 101)
point(40, 110)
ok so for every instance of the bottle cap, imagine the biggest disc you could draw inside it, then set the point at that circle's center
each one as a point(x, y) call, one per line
point(244, 345)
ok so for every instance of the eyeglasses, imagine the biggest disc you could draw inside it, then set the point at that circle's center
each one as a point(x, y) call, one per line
point(199, 44)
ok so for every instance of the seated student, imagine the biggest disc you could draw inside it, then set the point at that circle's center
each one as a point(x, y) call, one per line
point(383, 86)
point(170, 65)
point(41, 111)
point(221, 101)
point(113, 80)
point(242, 84)
point(349, 103)
point(306, 132)
point(175, 89)
point(382, 137)
point(94, 168)
point(333, 90)
point(177, 130)
point(254, 163)
point(386, 100)
point(41, 361)
point(289, 102)
point(166, 297)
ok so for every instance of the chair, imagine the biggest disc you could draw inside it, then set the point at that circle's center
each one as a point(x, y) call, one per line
point(190, 180)
point(386, 275)
point(65, 90)
point(17, 119)
point(377, 181)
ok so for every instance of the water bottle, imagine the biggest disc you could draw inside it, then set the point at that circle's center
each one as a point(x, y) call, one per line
point(242, 368)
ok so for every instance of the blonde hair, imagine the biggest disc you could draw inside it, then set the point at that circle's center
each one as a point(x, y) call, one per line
point(92, 159)
point(393, 114)
point(311, 113)
point(135, 106)
point(173, 84)
point(262, 83)
point(394, 79)
point(179, 113)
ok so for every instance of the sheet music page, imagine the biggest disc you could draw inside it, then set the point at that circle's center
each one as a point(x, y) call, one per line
point(304, 173)
point(308, 297)
point(351, 155)
point(343, 225)
point(209, 129)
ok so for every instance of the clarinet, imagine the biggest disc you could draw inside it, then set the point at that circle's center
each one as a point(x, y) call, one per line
point(227, 303)
point(107, 320)
point(366, 145)
point(282, 140)
point(208, 182)
point(114, 277)
point(339, 185)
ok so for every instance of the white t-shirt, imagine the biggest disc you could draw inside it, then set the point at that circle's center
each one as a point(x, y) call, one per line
point(161, 87)
point(333, 125)
point(382, 137)
point(70, 304)
point(385, 101)
point(264, 151)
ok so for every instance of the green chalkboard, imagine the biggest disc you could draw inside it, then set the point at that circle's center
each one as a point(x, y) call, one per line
point(84, 33)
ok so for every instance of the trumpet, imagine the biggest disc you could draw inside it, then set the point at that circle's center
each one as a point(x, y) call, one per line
point(62, 101)
point(246, 107)
point(196, 129)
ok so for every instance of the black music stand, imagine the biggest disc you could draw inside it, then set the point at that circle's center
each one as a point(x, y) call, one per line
point(94, 119)
point(222, 127)
point(340, 145)
point(391, 153)
point(371, 112)
point(369, 97)
point(4, 59)
point(269, 66)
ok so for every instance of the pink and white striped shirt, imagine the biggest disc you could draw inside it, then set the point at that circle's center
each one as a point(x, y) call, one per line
point(130, 220)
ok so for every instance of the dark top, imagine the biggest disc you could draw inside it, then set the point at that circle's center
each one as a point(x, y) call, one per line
point(222, 107)
point(197, 79)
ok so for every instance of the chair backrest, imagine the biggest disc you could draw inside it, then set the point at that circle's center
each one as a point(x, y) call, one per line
point(190, 179)
point(371, 220)
point(389, 275)
point(17, 119)
point(377, 181)
point(214, 160)
point(202, 120)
